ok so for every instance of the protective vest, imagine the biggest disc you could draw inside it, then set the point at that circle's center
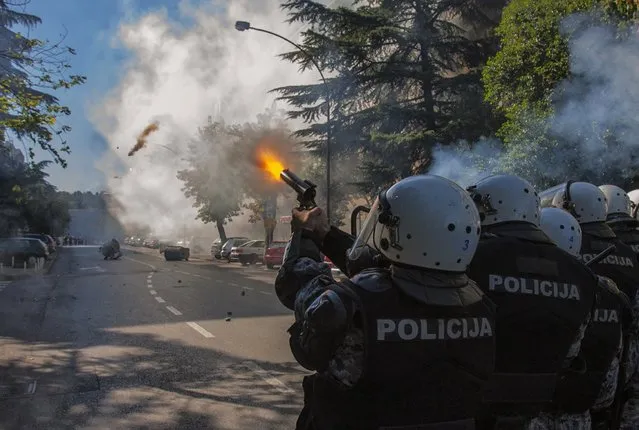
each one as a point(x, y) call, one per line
point(543, 296)
point(621, 266)
point(598, 348)
point(425, 365)
point(628, 235)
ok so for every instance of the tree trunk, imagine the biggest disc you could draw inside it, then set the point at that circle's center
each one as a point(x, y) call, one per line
point(220, 229)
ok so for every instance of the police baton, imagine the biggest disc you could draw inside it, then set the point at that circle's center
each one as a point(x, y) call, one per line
point(603, 254)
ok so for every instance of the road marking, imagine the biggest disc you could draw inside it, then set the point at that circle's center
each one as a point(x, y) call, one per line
point(160, 299)
point(174, 311)
point(32, 387)
point(149, 286)
point(249, 288)
point(267, 377)
point(153, 292)
point(233, 284)
point(150, 275)
point(140, 262)
point(184, 273)
point(198, 328)
point(266, 292)
point(148, 281)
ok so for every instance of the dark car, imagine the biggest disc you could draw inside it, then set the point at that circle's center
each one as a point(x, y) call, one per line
point(173, 253)
point(45, 238)
point(16, 251)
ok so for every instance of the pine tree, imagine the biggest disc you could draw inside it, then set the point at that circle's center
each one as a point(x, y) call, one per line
point(404, 77)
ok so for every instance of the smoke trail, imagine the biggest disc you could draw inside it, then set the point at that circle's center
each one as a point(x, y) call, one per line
point(141, 140)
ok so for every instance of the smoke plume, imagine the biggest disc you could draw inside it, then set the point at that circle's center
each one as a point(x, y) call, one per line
point(592, 135)
point(141, 140)
point(181, 75)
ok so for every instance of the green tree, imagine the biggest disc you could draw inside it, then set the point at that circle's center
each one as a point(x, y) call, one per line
point(215, 195)
point(404, 76)
point(533, 58)
point(29, 70)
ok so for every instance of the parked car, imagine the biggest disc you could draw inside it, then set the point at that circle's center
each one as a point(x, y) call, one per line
point(216, 247)
point(225, 252)
point(18, 250)
point(249, 253)
point(173, 253)
point(274, 254)
point(45, 238)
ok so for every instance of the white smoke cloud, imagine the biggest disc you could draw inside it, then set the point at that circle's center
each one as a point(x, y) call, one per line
point(179, 76)
point(593, 133)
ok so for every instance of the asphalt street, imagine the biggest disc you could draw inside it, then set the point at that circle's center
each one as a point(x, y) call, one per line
point(144, 343)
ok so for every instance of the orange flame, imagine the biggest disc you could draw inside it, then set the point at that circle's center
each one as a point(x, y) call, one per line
point(270, 163)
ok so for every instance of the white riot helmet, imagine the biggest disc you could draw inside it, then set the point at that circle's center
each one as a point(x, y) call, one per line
point(583, 200)
point(619, 204)
point(634, 201)
point(424, 221)
point(562, 228)
point(505, 198)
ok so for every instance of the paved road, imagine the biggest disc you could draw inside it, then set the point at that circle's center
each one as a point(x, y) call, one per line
point(145, 343)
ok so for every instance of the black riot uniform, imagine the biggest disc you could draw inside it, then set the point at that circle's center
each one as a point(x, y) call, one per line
point(623, 268)
point(544, 297)
point(391, 347)
point(626, 231)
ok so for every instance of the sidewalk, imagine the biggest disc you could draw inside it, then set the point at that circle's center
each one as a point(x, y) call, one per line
point(12, 274)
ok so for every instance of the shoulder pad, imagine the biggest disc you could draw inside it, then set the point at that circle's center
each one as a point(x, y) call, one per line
point(373, 280)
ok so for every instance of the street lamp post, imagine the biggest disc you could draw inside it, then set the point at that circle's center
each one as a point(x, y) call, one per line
point(243, 26)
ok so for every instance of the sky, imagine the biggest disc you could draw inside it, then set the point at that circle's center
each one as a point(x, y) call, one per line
point(90, 27)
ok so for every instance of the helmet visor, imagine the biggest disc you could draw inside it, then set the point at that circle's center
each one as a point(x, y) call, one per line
point(367, 230)
point(548, 195)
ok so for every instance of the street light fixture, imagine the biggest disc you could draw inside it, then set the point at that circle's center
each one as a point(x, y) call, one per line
point(243, 26)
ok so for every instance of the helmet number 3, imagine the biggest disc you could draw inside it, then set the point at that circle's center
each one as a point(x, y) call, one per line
point(466, 244)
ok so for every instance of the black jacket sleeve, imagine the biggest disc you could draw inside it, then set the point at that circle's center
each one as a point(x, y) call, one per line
point(334, 246)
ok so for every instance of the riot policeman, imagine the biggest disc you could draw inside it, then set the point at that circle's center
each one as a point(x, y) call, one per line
point(602, 344)
point(587, 203)
point(620, 216)
point(544, 298)
point(409, 345)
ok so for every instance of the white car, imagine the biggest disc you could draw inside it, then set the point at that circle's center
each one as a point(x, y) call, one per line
point(249, 253)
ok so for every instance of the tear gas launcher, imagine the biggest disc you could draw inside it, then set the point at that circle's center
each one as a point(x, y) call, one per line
point(305, 189)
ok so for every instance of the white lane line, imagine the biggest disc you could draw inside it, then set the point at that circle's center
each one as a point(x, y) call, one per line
point(148, 281)
point(198, 328)
point(233, 284)
point(267, 377)
point(184, 273)
point(266, 292)
point(32, 387)
point(150, 275)
point(153, 292)
point(150, 286)
point(160, 299)
point(174, 311)
point(249, 288)
point(140, 262)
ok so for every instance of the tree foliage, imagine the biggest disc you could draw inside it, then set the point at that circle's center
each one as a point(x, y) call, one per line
point(224, 177)
point(403, 77)
point(29, 70)
point(27, 200)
